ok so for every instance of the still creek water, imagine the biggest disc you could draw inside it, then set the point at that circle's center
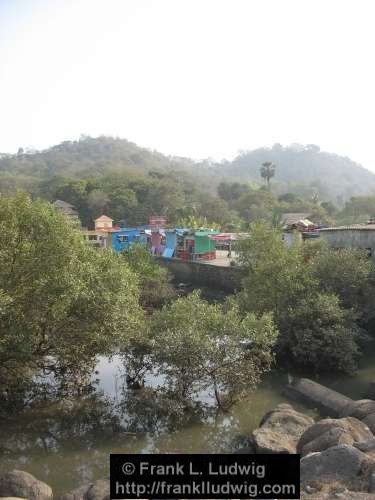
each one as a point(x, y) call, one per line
point(68, 444)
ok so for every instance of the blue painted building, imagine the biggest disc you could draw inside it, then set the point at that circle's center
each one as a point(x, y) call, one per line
point(123, 238)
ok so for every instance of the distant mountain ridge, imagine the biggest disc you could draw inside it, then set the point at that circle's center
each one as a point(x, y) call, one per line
point(299, 168)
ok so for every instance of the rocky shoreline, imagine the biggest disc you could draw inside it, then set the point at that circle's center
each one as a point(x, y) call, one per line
point(337, 454)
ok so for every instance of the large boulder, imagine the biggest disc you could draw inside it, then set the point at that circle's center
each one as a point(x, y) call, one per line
point(359, 409)
point(280, 430)
point(332, 437)
point(370, 421)
point(331, 432)
point(268, 441)
point(18, 483)
point(365, 446)
point(342, 463)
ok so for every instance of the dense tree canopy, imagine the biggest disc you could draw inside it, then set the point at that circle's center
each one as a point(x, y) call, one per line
point(154, 280)
point(315, 294)
point(61, 302)
point(130, 183)
point(200, 346)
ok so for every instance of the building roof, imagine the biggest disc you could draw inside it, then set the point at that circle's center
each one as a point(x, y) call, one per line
point(223, 237)
point(66, 208)
point(205, 233)
point(294, 217)
point(104, 218)
point(63, 204)
point(351, 227)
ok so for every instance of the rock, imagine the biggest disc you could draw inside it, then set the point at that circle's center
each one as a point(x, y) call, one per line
point(370, 421)
point(330, 432)
point(99, 490)
point(284, 415)
point(280, 430)
point(340, 492)
point(348, 495)
point(371, 482)
point(332, 437)
point(243, 444)
point(359, 409)
point(268, 441)
point(342, 462)
point(310, 489)
point(365, 446)
point(248, 450)
point(77, 494)
point(18, 483)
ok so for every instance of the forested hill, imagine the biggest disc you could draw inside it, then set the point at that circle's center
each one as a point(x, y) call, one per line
point(332, 176)
point(303, 170)
point(88, 157)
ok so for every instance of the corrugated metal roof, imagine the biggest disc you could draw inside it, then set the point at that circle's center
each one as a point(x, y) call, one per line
point(293, 217)
point(355, 227)
point(62, 204)
point(205, 233)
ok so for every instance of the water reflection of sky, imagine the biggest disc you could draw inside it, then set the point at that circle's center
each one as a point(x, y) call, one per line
point(68, 443)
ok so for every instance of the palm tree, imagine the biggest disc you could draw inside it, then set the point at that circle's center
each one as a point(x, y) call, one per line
point(267, 171)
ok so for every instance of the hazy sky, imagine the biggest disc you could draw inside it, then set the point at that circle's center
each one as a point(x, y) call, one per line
point(199, 78)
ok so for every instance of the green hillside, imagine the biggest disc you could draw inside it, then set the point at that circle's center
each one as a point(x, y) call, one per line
point(303, 168)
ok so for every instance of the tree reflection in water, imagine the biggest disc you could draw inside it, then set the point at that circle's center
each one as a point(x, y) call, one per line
point(66, 440)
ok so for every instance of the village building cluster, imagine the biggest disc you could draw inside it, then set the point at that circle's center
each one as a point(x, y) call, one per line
point(182, 243)
point(203, 244)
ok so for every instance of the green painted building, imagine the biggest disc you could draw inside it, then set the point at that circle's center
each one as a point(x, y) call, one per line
point(203, 242)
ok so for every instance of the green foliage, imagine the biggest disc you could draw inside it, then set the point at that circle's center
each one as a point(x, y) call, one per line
point(199, 346)
point(276, 276)
point(130, 183)
point(329, 207)
point(252, 204)
point(357, 210)
point(154, 280)
point(345, 273)
point(232, 191)
point(288, 283)
point(303, 169)
point(267, 171)
point(196, 222)
point(61, 302)
point(319, 334)
point(256, 204)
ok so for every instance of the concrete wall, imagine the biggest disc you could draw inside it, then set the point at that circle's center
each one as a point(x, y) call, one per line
point(203, 274)
point(351, 238)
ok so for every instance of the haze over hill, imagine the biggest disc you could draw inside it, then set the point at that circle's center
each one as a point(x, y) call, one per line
point(299, 169)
